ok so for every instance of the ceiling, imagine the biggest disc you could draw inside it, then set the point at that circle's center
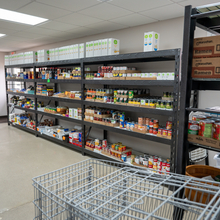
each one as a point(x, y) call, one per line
point(69, 19)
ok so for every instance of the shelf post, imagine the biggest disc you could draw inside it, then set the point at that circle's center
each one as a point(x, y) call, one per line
point(186, 85)
point(83, 106)
point(6, 87)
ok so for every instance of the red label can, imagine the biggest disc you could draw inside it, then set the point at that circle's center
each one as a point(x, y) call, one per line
point(165, 132)
point(169, 125)
point(155, 131)
point(155, 161)
point(169, 134)
point(151, 130)
point(160, 130)
point(206, 128)
point(150, 166)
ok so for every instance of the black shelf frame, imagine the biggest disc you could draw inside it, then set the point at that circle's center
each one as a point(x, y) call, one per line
point(155, 56)
point(193, 19)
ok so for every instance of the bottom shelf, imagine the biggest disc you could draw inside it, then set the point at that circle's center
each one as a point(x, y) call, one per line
point(23, 128)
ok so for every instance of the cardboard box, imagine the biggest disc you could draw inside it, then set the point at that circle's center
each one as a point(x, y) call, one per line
point(76, 51)
point(71, 52)
point(206, 67)
point(43, 55)
point(81, 50)
point(56, 54)
point(100, 48)
point(113, 46)
point(51, 54)
point(206, 46)
point(96, 48)
point(104, 47)
point(151, 41)
point(91, 49)
point(204, 141)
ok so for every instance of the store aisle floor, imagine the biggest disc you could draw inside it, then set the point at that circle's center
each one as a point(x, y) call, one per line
point(22, 157)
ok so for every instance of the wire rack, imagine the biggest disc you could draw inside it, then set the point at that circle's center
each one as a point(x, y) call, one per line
point(100, 190)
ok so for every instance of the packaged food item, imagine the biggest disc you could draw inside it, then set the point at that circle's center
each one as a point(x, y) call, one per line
point(193, 127)
point(198, 117)
point(206, 128)
point(169, 125)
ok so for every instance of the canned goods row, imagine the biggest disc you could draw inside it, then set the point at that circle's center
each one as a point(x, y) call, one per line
point(101, 91)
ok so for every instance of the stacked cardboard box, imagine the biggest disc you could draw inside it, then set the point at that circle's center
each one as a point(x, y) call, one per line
point(206, 57)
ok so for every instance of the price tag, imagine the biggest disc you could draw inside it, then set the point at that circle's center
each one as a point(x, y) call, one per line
point(48, 80)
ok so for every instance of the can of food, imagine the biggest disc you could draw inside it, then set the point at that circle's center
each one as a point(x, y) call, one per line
point(131, 94)
point(165, 132)
point(164, 166)
point(155, 161)
point(104, 143)
point(151, 130)
point(169, 134)
point(155, 131)
point(205, 128)
point(151, 123)
point(124, 157)
point(150, 161)
point(116, 147)
point(216, 134)
point(141, 121)
point(135, 125)
point(193, 127)
point(97, 142)
point(198, 117)
point(159, 170)
point(159, 162)
point(168, 167)
point(169, 125)
point(150, 166)
point(145, 162)
point(137, 160)
point(124, 147)
point(141, 158)
point(128, 125)
point(147, 121)
point(156, 123)
point(122, 124)
point(160, 130)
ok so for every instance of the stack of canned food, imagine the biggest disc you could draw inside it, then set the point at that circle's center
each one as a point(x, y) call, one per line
point(205, 125)
point(152, 162)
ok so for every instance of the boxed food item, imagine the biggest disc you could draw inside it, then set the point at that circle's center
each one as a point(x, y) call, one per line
point(81, 50)
point(71, 52)
point(7, 60)
point(113, 46)
point(61, 53)
point(51, 54)
point(76, 51)
point(206, 46)
point(56, 54)
point(206, 67)
point(43, 56)
point(100, 48)
point(87, 49)
point(91, 49)
point(96, 48)
point(151, 41)
point(104, 47)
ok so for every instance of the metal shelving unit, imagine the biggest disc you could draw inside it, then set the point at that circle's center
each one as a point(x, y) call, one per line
point(163, 55)
point(192, 20)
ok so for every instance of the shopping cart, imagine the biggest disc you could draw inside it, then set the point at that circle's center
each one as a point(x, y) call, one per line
point(100, 190)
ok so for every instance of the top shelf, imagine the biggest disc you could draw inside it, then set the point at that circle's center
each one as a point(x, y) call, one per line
point(161, 55)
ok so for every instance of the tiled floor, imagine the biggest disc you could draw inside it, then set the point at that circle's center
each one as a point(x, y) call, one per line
point(22, 157)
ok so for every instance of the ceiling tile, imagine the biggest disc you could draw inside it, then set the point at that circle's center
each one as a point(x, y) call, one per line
point(7, 31)
point(58, 26)
point(13, 4)
point(71, 5)
point(78, 19)
point(27, 35)
point(133, 20)
point(140, 5)
point(42, 31)
point(196, 3)
point(166, 12)
point(44, 11)
point(13, 25)
point(16, 38)
point(178, 0)
point(105, 11)
point(106, 26)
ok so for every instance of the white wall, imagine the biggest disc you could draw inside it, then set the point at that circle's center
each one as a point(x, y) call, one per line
point(3, 109)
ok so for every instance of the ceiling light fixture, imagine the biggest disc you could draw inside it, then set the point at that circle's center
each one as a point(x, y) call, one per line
point(20, 17)
point(2, 35)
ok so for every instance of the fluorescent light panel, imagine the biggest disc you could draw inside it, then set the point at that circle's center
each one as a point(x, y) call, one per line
point(2, 35)
point(20, 17)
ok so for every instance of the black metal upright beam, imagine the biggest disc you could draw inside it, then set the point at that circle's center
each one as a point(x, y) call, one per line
point(83, 107)
point(6, 87)
point(186, 86)
point(35, 101)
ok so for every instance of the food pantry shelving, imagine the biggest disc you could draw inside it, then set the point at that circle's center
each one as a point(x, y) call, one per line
point(208, 22)
point(163, 55)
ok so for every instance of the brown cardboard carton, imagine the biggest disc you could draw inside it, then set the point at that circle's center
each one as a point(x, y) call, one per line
point(206, 46)
point(206, 67)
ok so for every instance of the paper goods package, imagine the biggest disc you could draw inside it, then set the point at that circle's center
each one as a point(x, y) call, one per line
point(151, 41)
point(113, 46)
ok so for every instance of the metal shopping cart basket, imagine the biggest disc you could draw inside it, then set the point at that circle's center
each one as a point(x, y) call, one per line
point(100, 190)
